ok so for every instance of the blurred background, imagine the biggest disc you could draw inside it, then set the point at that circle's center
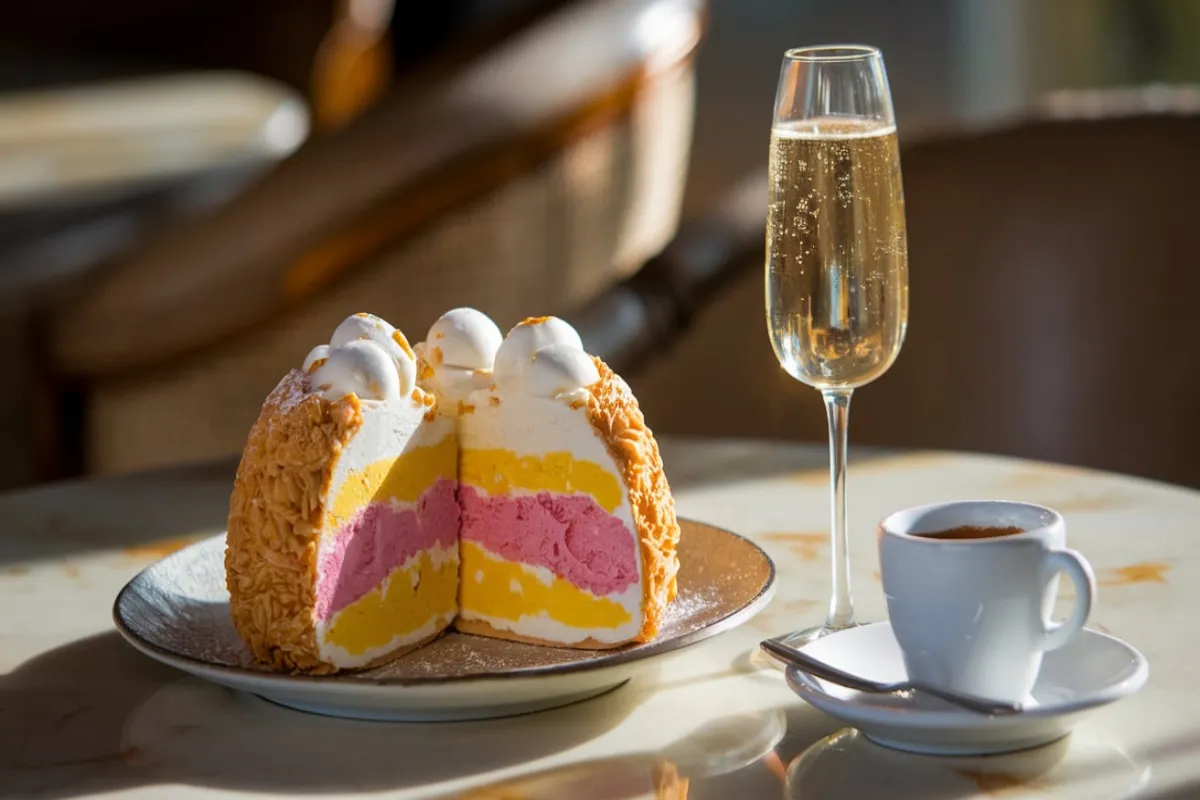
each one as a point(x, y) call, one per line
point(192, 194)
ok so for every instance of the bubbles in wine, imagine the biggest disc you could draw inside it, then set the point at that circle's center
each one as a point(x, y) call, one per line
point(837, 256)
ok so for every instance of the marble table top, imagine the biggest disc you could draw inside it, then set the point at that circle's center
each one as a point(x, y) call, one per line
point(82, 714)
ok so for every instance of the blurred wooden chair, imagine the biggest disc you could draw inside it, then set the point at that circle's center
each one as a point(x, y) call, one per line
point(1053, 286)
point(352, 68)
point(528, 181)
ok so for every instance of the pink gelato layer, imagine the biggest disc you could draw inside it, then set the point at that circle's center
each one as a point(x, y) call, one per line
point(571, 535)
point(379, 539)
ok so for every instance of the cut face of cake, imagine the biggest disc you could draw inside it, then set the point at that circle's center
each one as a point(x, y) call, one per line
point(342, 548)
point(506, 484)
point(568, 526)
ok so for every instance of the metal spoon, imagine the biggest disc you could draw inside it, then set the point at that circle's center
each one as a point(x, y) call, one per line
point(806, 663)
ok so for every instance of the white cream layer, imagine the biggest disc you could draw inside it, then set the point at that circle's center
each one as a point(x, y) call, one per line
point(388, 429)
point(533, 426)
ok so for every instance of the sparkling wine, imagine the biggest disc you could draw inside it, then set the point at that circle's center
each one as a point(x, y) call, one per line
point(837, 253)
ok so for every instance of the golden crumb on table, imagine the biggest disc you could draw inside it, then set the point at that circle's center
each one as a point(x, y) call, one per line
point(668, 783)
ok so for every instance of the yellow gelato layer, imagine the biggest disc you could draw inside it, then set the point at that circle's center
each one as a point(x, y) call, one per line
point(502, 589)
point(398, 607)
point(404, 478)
point(498, 471)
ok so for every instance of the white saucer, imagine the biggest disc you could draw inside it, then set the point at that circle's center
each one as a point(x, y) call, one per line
point(1092, 670)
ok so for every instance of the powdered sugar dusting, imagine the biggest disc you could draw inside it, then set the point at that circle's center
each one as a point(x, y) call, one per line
point(289, 392)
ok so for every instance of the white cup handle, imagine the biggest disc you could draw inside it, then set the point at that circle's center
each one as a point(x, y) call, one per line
point(1080, 573)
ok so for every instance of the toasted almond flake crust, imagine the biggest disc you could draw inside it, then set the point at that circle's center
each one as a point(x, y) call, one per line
point(286, 468)
point(617, 419)
point(275, 521)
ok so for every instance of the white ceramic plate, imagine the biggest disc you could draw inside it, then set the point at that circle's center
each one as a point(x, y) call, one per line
point(1092, 670)
point(177, 611)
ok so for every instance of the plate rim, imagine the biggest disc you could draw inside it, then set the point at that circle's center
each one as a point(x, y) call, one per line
point(614, 658)
point(808, 689)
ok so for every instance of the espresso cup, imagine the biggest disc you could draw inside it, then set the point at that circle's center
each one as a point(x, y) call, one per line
point(970, 589)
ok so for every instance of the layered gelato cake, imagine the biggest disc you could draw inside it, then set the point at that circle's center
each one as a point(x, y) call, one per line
point(507, 485)
point(342, 548)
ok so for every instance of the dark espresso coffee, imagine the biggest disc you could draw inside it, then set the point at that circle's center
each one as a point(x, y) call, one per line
point(972, 532)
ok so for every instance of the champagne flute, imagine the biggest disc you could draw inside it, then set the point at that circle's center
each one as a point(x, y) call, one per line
point(837, 253)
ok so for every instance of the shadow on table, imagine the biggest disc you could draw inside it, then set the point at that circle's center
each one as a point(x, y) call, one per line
point(142, 513)
point(1188, 792)
point(1178, 755)
point(847, 765)
point(798, 752)
point(732, 756)
point(97, 716)
point(813, 760)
